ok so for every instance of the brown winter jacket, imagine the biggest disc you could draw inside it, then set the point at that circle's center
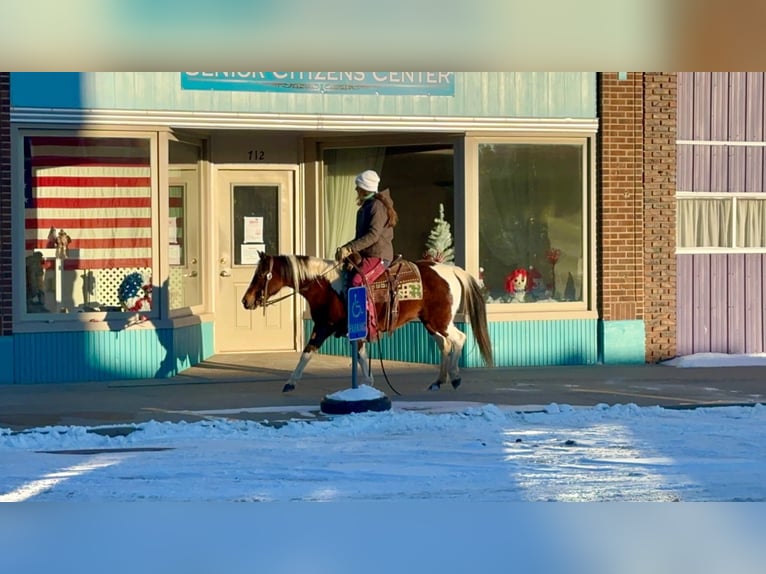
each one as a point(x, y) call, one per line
point(375, 221)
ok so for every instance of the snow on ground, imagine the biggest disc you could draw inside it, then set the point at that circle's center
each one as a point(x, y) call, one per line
point(480, 453)
point(717, 360)
point(417, 451)
point(424, 487)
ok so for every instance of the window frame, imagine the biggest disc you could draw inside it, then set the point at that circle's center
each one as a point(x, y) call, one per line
point(23, 321)
point(315, 148)
point(586, 307)
point(733, 196)
point(204, 206)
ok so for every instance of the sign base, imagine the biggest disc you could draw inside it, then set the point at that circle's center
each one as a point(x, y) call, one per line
point(355, 400)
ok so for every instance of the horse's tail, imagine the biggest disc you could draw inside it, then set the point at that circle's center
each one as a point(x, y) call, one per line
point(476, 308)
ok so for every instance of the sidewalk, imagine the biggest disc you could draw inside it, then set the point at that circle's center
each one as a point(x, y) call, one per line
point(249, 386)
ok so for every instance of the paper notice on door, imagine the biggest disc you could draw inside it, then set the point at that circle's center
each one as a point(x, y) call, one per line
point(253, 229)
point(174, 254)
point(172, 230)
point(249, 253)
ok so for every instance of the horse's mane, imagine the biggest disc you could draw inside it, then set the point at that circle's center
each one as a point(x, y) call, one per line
point(304, 268)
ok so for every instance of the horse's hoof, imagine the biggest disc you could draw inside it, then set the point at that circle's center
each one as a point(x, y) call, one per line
point(435, 386)
point(456, 383)
point(288, 387)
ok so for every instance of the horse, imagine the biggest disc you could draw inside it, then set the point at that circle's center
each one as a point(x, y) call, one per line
point(320, 282)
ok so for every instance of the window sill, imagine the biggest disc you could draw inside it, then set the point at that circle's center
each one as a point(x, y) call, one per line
point(92, 322)
point(501, 314)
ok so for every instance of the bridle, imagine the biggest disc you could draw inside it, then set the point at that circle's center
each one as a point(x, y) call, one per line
point(264, 293)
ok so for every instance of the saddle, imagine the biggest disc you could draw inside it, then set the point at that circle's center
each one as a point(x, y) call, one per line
point(400, 281)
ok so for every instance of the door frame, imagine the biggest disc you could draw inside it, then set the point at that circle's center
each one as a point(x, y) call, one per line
point(297, 232)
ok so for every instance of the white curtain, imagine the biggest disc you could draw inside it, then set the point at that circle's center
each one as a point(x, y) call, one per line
point(751, 223)
point(341, 167)
point(705, 223)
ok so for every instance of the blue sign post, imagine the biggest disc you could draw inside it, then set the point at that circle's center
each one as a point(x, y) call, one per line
point(362, 400)
point(357, 324)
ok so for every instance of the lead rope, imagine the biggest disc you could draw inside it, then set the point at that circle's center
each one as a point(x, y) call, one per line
point(375, 313)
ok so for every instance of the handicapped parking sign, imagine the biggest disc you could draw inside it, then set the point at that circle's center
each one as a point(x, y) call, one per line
point(357, 313)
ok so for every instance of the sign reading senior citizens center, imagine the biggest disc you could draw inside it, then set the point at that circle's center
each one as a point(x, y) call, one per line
point(376, 83)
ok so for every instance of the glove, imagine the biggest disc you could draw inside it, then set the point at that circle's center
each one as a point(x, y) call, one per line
point(342, 252)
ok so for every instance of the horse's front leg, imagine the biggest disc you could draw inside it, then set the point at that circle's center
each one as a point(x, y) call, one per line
point(364, 365)
point(318, 336)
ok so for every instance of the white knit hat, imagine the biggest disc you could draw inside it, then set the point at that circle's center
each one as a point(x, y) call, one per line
point(368, 181)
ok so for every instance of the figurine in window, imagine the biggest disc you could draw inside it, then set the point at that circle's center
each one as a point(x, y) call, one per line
point(518, 283)
point(35, 284)
point(62, 245)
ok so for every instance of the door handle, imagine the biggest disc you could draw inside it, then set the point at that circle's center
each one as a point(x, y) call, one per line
point(225, 273)
point(192, 274)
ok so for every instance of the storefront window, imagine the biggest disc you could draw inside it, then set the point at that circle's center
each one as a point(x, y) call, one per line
point(87, 224)
point(420, 179)
point(184, 224)
point(531, 222)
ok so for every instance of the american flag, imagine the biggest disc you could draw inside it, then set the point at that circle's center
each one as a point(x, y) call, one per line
point(98, 190)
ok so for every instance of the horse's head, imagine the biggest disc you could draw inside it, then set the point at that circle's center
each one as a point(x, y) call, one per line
point(267, 280)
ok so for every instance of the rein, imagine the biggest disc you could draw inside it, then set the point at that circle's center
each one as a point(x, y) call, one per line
point(266, 302)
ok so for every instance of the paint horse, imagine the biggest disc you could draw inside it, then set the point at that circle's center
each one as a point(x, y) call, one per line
point(444, 291)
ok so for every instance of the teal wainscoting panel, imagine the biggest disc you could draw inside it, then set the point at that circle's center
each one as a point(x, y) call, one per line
point(84, 356)
point(514, 344)
point(191, 345)
point(6, 360)
point(622, 342)
point(411, 343)
point(536, 343)
point(90, 355)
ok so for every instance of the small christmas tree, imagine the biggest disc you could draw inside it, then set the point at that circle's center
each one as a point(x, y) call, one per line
point(439, 244)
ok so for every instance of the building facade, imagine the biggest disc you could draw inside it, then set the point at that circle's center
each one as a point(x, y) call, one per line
point(135, 204)
point(721, 200)
point(637, 219)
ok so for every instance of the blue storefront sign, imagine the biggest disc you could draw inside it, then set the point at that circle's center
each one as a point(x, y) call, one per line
point(374, 83)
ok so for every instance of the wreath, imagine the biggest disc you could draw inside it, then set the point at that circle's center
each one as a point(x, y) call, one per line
point(134, 294)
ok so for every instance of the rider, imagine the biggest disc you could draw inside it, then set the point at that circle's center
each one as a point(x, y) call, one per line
point(375, 221)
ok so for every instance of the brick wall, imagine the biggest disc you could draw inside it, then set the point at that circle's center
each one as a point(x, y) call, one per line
point(660, 214)
point(636, 216)
point(6, 275)
point(620, 215)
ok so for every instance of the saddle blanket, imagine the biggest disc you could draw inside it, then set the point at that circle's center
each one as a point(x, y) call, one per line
point(409, 286)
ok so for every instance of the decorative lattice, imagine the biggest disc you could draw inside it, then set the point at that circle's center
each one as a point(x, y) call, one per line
point(107, 283)
point(176, 290)
point(98, 289)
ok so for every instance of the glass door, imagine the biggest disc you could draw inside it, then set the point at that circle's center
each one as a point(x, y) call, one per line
point(254, 214)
